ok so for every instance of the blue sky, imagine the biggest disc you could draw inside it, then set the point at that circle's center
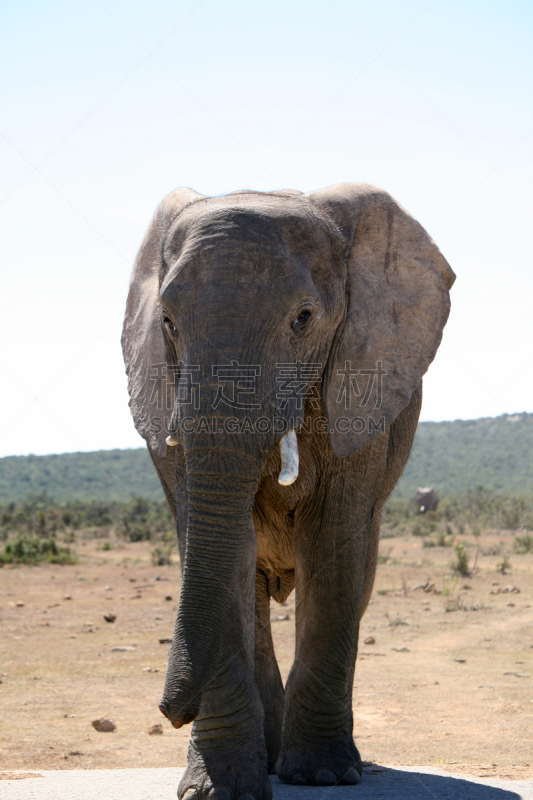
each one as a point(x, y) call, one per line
point(117, 103)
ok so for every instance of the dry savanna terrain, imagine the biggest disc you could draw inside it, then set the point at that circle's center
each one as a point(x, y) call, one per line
point(444, 674)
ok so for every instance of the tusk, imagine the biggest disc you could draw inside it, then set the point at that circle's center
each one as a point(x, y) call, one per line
point(171, 441)
point(290, 459)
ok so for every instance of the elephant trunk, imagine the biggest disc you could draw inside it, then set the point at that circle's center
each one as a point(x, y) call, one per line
point(221, 486)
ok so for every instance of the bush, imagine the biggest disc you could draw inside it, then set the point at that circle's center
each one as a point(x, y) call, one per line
point(143, 520)
point(136, 520)
point(162, 556)
point(523, 544)
point(138, 533)
point(504, 566)
point(471, 512)
point(34, 550)
point(460, 565)
point(455, 603)
point(445, 538)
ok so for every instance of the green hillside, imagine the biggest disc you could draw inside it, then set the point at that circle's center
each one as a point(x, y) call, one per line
point(102, 475)
point(496, 453)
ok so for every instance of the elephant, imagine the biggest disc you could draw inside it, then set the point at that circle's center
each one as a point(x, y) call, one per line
point(275, 344)
point(427, 499)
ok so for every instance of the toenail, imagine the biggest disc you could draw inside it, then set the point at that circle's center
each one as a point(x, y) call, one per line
point(298, 779)
point(351, 777)
point(190, 794)
point(325, 777)
point(218, 793)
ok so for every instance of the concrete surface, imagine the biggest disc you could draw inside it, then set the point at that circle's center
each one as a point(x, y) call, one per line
point(378, 783)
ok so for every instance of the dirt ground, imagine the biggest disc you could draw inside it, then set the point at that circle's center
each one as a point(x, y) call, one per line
point(445, 677)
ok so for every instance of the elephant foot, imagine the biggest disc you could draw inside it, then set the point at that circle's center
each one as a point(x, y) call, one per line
point(272, 728)
point(272, 739)
point(329, 762)
point(226, 773)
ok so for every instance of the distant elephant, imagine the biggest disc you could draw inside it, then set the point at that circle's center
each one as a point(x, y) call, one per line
point(286, 335)
point(426, 499)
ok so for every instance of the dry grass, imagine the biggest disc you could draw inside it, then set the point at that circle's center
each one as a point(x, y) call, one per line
point(449, 688)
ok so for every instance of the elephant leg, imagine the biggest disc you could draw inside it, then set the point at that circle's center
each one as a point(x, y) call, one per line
point(227, 756)
point(267, 674)
point(330, 558)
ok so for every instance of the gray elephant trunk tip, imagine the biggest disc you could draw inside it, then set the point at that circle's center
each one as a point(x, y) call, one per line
point(290, 459)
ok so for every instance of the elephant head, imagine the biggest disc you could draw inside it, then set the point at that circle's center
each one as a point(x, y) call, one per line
point(245, 286)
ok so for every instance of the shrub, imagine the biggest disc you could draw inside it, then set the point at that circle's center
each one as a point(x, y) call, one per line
point(455, 604)
point(475, 510)
point(523, 544)
point(504, 565)
point(384, 557)
point(460, 565)
point(458, 603)
point(162, 556)
point(138, 533)
point(442, 539)
point(142, 519)
point(445, 538)
point(34, 550)
point(137, 519)
point(396, 621)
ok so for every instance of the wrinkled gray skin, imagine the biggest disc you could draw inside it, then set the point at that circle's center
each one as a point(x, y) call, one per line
point(226, 278)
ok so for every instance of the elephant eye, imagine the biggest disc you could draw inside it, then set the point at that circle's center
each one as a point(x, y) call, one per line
point(301, 320)
point(168, 322)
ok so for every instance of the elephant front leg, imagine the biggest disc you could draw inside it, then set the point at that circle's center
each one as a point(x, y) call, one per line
point(267, 674)
point(317, 743)
point(227, 758)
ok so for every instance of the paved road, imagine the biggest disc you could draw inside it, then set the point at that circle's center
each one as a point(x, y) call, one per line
point(379, 783)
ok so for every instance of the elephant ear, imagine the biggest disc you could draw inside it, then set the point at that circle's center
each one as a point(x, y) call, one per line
point(143, 344)
point(397, 305)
